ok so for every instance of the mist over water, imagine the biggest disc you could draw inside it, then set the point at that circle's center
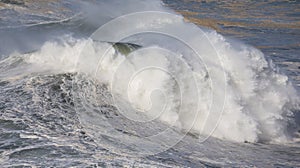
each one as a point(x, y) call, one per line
point(68, 81)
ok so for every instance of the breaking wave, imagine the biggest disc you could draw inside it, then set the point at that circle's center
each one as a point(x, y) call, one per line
point(205, 84)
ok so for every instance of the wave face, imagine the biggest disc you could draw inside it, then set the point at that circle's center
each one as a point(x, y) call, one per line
point(178, 75)
point(259, 101)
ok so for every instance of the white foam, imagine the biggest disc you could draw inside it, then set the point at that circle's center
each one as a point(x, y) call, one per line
point(259, 100)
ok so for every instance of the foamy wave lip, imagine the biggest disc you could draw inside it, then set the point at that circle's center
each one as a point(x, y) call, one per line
point(258, 104)
point(259, 100)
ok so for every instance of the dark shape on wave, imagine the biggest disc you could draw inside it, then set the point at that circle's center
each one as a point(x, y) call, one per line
point(125, 48)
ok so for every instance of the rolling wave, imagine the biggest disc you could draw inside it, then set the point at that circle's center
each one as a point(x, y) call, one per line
point(141, 82)
point(259, 100)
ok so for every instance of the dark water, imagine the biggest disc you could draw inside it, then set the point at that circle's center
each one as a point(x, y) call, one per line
point(41, 121)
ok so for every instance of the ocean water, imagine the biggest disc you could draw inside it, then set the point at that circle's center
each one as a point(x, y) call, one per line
point(149, 83)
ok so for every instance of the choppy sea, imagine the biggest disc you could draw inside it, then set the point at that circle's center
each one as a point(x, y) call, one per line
point(149, 83)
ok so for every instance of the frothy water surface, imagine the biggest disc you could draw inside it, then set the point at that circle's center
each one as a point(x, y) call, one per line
point(70, 96)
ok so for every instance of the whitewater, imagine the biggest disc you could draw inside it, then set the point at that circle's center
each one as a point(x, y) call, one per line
point(132, 83)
